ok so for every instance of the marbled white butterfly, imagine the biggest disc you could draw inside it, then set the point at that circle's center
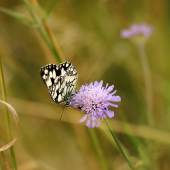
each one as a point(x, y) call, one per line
point(60, 81)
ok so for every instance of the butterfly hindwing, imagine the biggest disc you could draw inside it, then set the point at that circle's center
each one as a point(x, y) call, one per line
point(60, 81)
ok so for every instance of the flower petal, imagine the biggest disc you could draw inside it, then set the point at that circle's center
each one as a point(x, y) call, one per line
point(91, 84)
point(110, 88)
point(98, 123)
point(115, 98)
point(88, 124)
point(93, 117)
point(109, 113)
point(83, 118)
point(114, 92)
point(101, 83)
point(96, 83)
point(111, 104)
point(93, 124)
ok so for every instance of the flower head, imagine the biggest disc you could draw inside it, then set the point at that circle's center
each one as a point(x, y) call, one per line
point(94, 100)
point(137, 32)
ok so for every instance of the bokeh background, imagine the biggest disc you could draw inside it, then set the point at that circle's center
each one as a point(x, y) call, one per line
point(88, 33)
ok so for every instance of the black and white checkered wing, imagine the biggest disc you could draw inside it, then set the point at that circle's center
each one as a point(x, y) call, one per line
point(60, 81)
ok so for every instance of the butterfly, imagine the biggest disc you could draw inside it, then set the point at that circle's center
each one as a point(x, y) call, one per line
point(60, 81)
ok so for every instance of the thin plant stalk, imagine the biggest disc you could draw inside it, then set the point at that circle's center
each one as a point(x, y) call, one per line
point(5, 160)
point(50, 33)
point(149, 100)
point(98, 149)
point(51, 7)
point(55, 43)
point(119, 146)
point(148, 86)
point(46, 33)
point(39, 27)
point(8, 124)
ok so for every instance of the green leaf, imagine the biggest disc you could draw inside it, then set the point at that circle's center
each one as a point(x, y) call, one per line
point(17, 16)
point(36, 8)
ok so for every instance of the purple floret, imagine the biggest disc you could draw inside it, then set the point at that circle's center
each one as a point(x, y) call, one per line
point(94, 100)
point(136, 30)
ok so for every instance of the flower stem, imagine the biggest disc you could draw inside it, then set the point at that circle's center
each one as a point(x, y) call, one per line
point(149, 100)
point(98, 149)
point(148, 86)
point(4, 97)
point(119, 146)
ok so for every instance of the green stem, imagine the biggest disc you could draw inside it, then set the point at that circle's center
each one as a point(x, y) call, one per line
point(148, 86)
point(149, 100)
point(119, 146)
point(4, 98)
point(52, 7)
point(98, 149)
point(39, 27)
point(43, 33)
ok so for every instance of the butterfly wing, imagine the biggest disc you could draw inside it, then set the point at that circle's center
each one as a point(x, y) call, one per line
point(70, 84)
point(60, 81)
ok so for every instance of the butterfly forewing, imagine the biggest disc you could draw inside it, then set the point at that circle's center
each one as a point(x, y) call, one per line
point(60, 81)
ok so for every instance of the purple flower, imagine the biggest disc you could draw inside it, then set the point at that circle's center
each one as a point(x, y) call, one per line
point(137, 30)
point(94, 101)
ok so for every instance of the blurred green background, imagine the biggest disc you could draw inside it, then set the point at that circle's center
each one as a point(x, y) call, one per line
point(88, 33)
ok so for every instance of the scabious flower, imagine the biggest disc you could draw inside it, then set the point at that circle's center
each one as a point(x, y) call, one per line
point(94, 100)
point(137, 32)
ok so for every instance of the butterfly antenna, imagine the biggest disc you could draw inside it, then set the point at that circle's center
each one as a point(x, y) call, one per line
point(74, 107)
point(62, 109)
